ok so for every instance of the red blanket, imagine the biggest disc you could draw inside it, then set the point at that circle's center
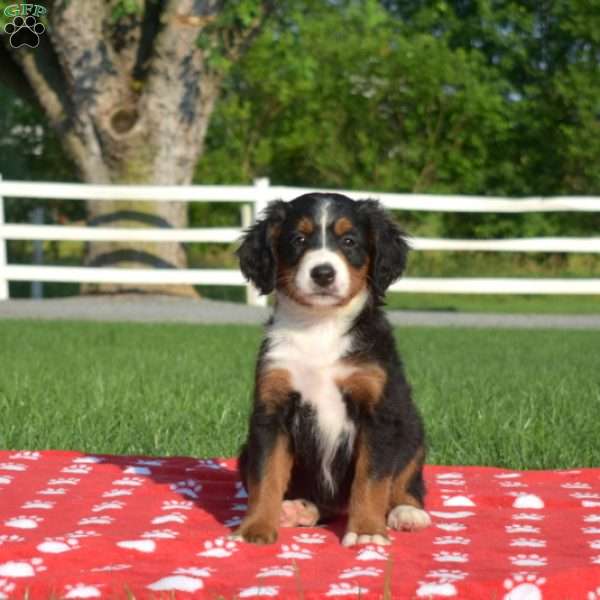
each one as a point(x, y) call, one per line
point(79, 526)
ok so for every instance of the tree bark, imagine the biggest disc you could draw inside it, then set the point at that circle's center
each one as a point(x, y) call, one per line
point(131, 100)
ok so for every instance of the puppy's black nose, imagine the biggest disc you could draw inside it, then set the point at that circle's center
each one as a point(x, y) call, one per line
point(323, 274)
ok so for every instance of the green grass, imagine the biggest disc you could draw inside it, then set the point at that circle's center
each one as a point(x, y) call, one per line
point(496, 303)
point(522, 399)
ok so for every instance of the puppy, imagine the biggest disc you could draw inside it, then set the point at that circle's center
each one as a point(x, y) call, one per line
point(333, 428)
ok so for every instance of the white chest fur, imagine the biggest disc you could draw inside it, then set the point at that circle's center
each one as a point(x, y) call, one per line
point(311, 348)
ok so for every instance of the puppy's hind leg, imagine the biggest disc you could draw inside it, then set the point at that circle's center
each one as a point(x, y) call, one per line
point(299, 513)
point(408, 490)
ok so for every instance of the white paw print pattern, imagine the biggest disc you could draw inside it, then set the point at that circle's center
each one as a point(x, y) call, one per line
point(39, 504)
point(346, 589)
point(256, 591)
point(294, 551)
point(521, 528)
point(594, 544)
point(88, 460)
point(5, 539)
point(507, 475)
point(219, 548)
point(360, 572)
point(446, 574)
point(53, 492)
point(12, 467)
point(592, 519)
point(512, 484)
point(529, 501)
point(189, 487)
point(277, 571)
point(174, 517)
point(431, 589)
point(161, 534)
point(83, 533)
point(372, 553)
point(310, 538)
point(451, 526)
point(6, 479)
point(595, 560)
point(177, 505)
point(585, 495)
point(77, 469)
point(137, 470)
point(82, 590)
point(114, 505)
point(233, 521)
point(22, 568)
point(458, 501)
point(64, 481)
point(523, 586)
point(26, 455)
point(528, 560)
point(24, 522)
point(207, 463)
point(116, 493)
point(576, 485)
point(58, 545)
point(129, 481)
point(528, 542)
point(459, 514)
point(591, 530)
point(111, 568)
point(457, 557)
point(182, 580)
point(240, 492)
point(96, 520)
point(450, 539)
point(6, 588)
point(528, 517)
point(239, 507)
point(144, 546)
point(592, 594)
point(150, 462)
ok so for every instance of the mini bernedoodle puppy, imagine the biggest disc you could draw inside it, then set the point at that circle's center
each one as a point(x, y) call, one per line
point(333, 428)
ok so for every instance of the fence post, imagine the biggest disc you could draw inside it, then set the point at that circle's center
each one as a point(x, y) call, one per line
point(37, 287)
point(3, 280)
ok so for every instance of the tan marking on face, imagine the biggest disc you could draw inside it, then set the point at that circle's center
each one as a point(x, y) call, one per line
point(369, 497)
point(364, 386)
point(273, 386)
point(306, 226)
point(265, 496)
point(342, 226)
point(402, 481)
point(286, 283)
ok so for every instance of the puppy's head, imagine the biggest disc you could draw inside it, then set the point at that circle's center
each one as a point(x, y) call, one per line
point(323, 249)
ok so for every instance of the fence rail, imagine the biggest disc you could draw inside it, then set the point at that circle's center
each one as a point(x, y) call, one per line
point(254, 199)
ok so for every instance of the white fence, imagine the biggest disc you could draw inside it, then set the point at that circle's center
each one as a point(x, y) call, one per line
point(254, 199)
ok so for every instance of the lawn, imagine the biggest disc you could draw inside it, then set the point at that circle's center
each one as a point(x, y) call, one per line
point(521, 399)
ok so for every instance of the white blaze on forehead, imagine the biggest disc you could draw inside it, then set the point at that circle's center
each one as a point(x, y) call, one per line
point(341, 283)
point(324, 217)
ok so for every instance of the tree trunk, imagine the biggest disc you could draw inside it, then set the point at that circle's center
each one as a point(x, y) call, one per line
point(131, 98)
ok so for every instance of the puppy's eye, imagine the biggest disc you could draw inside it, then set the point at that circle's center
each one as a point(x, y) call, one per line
point(349, 242)
point(299, 240)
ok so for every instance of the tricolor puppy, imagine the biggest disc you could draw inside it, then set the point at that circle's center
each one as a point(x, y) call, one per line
point(333, 428)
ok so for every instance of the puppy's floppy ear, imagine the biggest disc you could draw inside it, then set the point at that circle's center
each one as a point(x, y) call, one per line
point(258, 259)
point(388, 246)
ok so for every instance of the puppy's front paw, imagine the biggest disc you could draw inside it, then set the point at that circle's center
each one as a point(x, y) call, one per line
point(408, 518)
point(256, 532)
